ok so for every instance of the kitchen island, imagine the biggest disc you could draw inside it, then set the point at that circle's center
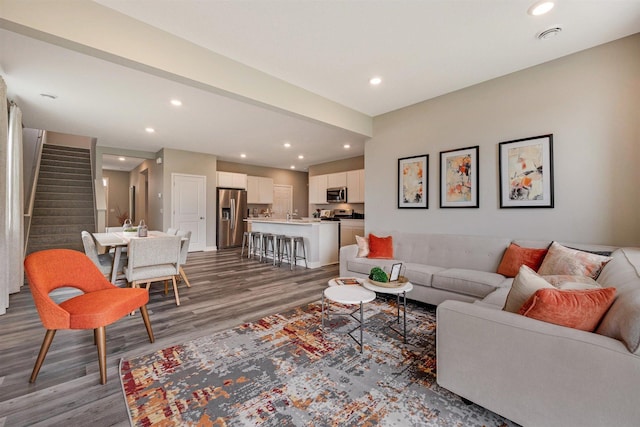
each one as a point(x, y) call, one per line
point(321, 238)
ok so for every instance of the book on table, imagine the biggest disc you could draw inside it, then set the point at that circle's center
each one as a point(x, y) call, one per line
point(347, 281)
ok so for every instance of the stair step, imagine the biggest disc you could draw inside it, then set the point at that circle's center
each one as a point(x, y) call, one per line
point(73, 203)
point(34, 247)
point(70, 160)
point(64, 182)
point(55, 147)
point(62, 189)
point(64, 169)
point(67, 163)
point(67, 174)
point(64, 211)
point(39, 230)
point(56, 239)
point(62, 220)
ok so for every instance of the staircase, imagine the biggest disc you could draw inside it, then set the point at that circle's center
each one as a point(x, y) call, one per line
point(63, 205)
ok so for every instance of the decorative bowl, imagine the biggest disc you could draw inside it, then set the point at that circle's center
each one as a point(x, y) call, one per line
point(400, 282)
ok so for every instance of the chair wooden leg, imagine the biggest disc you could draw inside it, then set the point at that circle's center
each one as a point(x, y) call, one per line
point(175, 290)
point(184, 277)
point(101, 337)
point(147, 323)
point(46, 343)
point(166, 287)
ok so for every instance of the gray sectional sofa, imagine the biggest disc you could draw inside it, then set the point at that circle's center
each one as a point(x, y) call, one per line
point(533, 373)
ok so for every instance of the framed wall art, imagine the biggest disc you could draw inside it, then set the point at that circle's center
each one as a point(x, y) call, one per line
point(413, 182)
point(459, 178)
point(526, 172)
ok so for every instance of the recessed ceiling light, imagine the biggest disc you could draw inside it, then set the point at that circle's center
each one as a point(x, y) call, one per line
point(540, 8)
point(122, 159)
point(287, 145)
point(243, 155)
point(176, 102)
point(48, 95)
point(150, 130)
point(292, 167)
point(301, 157)
point(347, 146)
point(375, 81)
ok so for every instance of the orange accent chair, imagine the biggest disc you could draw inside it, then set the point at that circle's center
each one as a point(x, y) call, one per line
point(101, 304)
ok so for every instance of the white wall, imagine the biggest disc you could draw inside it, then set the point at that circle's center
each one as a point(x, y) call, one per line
point(589, 101)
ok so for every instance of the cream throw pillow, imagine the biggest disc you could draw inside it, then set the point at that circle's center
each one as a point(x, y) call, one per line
point(363, 246)
point(525, 284)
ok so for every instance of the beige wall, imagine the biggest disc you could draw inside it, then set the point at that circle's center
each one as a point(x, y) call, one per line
point(298, 180)
point(353, 163)
point(117, 198)
point(590, 101)
point(187, 162)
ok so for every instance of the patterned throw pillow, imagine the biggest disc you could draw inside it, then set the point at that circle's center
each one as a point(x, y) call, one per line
point(563, 260)
point(363, 246)
point(578, 309)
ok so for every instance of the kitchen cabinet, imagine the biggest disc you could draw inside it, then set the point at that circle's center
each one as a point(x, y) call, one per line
point(231, 180)
point(335, 180)
point(355, 186)
point(318, 189)
point(349, 228)
point(259, 190)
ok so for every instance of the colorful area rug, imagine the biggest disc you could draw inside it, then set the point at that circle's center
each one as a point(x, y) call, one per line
point(283, 370)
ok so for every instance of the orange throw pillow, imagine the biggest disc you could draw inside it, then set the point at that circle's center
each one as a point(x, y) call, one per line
point(578, 309)
point(515, 256)
point(380, 247)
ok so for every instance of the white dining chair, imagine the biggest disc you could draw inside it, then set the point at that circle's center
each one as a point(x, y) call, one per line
point(153, 259)
point(172, 231)
point(184, 253)
point(104, 262)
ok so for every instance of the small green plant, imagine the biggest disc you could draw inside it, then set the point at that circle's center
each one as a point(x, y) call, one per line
point(378, 275)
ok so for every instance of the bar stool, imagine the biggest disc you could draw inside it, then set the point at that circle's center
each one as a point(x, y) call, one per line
point(284, 247)
point(257, 244)
point(247, 240)
point(269, 240)
point(291, 245)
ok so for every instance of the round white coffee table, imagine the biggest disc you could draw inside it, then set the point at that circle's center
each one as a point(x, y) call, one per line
point(397, 291)
point(349, 295)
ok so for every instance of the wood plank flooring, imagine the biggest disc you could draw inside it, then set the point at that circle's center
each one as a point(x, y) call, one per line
point(226, 290)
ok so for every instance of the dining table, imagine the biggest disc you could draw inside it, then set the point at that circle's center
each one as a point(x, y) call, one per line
point(119, 240)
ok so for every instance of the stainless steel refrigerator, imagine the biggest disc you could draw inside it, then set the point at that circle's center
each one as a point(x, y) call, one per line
point(232, 210)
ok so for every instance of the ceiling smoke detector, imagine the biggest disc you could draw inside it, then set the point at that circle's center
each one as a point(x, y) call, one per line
point(549, 33)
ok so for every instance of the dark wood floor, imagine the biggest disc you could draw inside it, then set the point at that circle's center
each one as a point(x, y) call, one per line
point(226, 291)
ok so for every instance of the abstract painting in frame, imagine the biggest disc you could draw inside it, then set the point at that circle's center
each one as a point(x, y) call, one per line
point(526, 172)
point(413, 182)
point(459, 185)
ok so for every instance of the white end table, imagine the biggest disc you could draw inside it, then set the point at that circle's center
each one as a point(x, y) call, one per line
point(397, 291)
point(350, 295)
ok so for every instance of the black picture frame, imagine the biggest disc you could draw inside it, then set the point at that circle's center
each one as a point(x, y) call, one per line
point(460, 178)
point(413, 182)
point(526, 172)
point(394, 274)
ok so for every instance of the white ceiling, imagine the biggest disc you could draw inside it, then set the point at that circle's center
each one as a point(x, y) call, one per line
point(421, 49)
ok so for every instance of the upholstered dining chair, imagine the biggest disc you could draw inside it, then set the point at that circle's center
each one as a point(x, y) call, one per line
point(102, 261)
point(172, 231)
point(100, 305)
point(184, 253)
point(153, 259)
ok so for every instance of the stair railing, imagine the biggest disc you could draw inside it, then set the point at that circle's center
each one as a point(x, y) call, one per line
point(35, 173)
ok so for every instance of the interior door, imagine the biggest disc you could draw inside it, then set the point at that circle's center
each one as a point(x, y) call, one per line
point(282, 200)
point(189, 208)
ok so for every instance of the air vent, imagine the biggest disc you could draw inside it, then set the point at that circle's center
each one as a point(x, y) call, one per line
point(549, 33)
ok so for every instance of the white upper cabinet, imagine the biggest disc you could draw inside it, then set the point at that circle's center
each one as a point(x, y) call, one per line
point(259, 190)
point(232, 180)
point(335, 180)
point(318, 189)
point(355, 186)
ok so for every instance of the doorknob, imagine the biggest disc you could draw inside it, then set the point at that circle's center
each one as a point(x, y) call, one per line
point(201, 217)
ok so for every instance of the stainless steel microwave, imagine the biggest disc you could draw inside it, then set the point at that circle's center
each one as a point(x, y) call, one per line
point(337, 195)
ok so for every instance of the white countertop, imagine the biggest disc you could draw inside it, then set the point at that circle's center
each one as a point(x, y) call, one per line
point(284, 221)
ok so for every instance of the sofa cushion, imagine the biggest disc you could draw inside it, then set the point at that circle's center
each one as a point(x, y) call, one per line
point(563, 260)
point(380, 247)
point(495, 299)
point(515, 256)
point(526, 283)
point(469, 282)
point(420, 274)
point(622, 321)
point(578, 309)
point(363, 246)
point(364, 265)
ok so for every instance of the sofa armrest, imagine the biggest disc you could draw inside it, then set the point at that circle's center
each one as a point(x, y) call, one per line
point(347, 253)
point(535, 373)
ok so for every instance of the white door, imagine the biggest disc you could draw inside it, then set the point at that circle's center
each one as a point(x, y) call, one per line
point(282, 200)
point(188, 197)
